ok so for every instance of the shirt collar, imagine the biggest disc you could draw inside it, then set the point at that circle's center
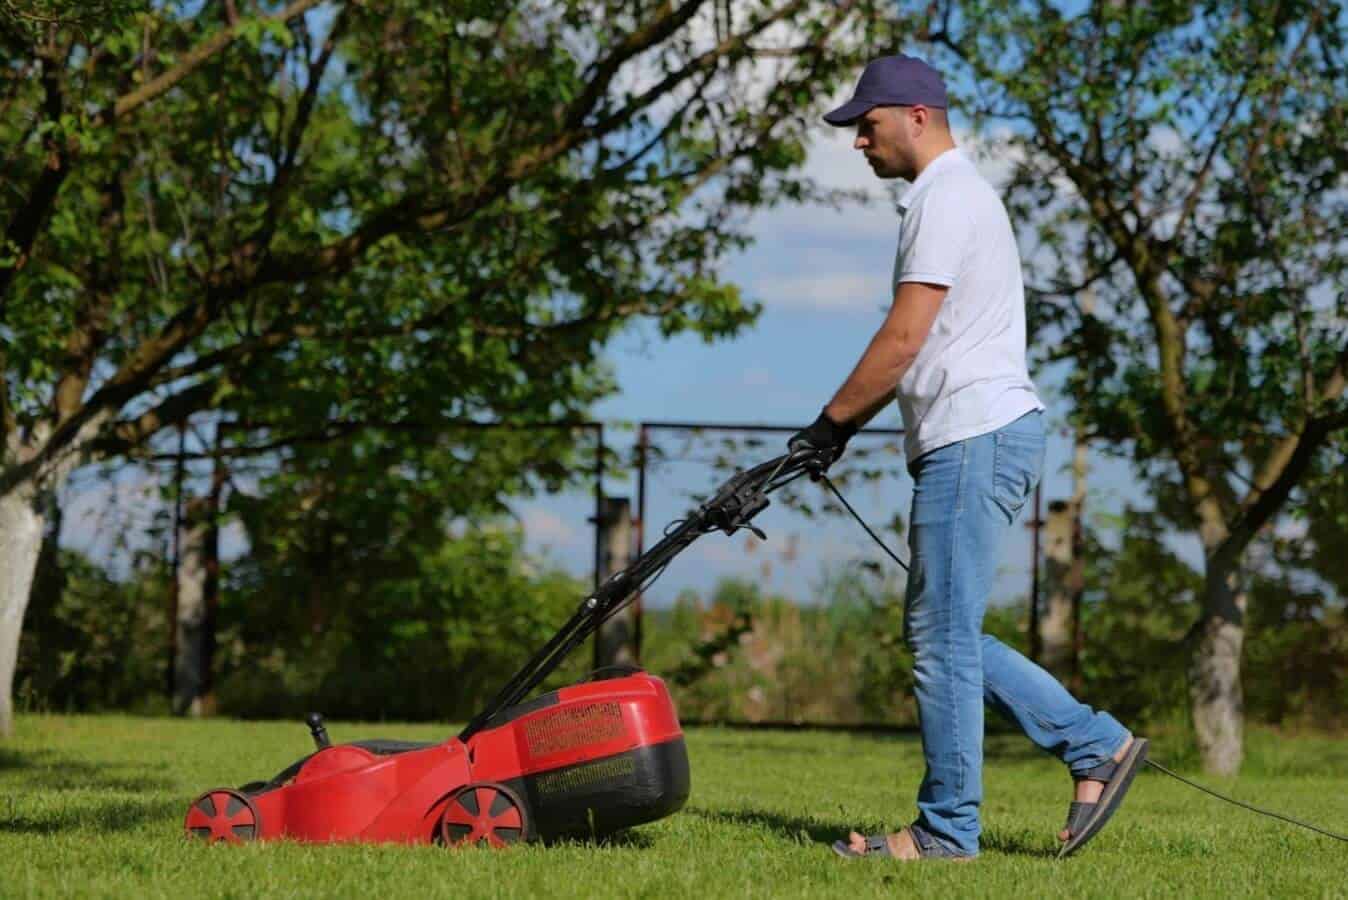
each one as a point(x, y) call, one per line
point(951, 157)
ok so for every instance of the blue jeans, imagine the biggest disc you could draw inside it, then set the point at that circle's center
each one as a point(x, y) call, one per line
point(965, 497)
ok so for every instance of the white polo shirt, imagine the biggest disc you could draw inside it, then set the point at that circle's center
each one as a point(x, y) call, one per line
point(970, 377)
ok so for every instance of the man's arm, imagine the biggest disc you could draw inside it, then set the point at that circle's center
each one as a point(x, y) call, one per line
point(871, 386)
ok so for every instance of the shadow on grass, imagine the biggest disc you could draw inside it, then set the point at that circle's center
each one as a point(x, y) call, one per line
point(45, 770)
point(776, 751)
point(1016, 843)
point(101, 816)
point(796, 829)
point(791, 827)
point(624, 840)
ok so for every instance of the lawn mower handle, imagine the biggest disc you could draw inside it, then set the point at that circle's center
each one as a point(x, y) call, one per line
point(742, 497)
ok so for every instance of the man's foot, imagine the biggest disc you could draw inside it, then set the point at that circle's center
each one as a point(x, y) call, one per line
point(1088, 790)
point(901, 845)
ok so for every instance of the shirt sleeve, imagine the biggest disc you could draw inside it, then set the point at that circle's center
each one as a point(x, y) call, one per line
point(933, 241)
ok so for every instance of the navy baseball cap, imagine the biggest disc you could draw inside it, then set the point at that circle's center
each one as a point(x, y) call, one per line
point(891, 81)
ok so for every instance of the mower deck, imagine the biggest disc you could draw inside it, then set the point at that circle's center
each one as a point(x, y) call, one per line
point(586, 760)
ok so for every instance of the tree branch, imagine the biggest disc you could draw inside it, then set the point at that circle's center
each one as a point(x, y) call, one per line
point(635, 43)
point(708, 58)
point(27, 222)
point(280, 187)
point(191, 61)
point(1071, 290)
point(121, 436)
point(90, 325)
point(1289, 459)
point(1205, 169)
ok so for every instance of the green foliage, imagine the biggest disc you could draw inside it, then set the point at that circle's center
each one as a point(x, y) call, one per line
point(91, 643)
point(25, 22)
point(1140, 603)
point(433, 635)
point(840, 660)
point(1299, 658)
point(844, 659)
point(431, 641)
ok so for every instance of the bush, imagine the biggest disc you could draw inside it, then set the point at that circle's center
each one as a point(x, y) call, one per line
point(91, 643)
point(432, 644)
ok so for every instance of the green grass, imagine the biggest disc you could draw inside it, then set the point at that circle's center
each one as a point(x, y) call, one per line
point(94, 805)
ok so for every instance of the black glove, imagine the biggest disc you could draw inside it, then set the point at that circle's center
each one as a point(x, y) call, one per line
point(825, 436)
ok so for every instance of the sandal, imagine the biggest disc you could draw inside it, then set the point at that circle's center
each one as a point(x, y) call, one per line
point(878, 845)
point(1084, 820)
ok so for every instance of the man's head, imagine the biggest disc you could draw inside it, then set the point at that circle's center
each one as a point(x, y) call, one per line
point(899, 140)
point(899, 109)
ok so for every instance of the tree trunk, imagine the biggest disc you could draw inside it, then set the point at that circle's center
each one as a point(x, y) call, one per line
point(615, 642)
point(21, 524)
point(191, 630)
point(1055, 626)
point(1218, 703)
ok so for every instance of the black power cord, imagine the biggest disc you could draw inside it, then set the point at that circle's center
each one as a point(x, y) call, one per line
point(862, 521)
point(1252, 808)
point(1155, 765)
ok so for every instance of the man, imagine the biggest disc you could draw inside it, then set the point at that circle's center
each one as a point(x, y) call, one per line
point(953, 348)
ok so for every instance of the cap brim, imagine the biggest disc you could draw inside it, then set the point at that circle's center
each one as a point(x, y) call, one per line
point(848, 113)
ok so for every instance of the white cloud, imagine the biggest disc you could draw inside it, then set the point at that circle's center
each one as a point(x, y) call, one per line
point(847, 291)
point(544, 527)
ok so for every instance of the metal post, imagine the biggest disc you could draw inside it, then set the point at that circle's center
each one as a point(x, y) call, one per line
point(598, 526)
point(598, 501)
point(641, 535)
point(169, 670)
point(1035, 648)
point(615, 641)
point(642, 444)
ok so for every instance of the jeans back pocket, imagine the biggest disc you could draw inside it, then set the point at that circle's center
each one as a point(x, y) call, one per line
point(1017, 463)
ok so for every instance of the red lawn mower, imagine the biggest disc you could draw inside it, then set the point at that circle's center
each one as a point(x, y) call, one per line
point(583, 761)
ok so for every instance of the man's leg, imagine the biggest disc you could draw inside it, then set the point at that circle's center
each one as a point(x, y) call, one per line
point(1016, 687)
point(1050, 716)
point(952, 541)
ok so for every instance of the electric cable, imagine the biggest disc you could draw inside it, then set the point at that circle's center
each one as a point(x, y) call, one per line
point(862, 521)
point(1251, 807)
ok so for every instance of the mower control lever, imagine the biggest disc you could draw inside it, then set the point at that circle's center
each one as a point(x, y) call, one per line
point(734, 505)
point(319, 732)
point(735, 513)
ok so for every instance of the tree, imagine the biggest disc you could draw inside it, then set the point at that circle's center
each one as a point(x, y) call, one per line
point(416, 214)
point(1187, 160)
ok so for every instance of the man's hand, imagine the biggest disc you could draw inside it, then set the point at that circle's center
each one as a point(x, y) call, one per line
point(826, 438)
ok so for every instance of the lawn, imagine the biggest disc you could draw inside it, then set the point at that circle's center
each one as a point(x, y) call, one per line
point(93, 805)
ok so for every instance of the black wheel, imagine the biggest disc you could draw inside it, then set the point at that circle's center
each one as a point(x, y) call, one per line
point(484, 813)
point(223, 815)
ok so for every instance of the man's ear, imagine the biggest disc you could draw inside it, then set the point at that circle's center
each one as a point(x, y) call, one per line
point(920, 117)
